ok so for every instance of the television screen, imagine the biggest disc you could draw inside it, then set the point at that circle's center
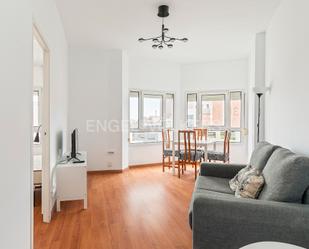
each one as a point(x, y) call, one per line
point(74, 143)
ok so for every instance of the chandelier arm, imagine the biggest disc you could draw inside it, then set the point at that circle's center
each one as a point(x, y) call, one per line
point(148, 39)
point(178, 39)
point(170, 39)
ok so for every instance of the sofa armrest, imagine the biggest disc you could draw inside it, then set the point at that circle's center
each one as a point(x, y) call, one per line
point(223, 221)
point(220, 170)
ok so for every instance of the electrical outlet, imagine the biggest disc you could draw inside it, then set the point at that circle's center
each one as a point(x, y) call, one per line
point(109, 165)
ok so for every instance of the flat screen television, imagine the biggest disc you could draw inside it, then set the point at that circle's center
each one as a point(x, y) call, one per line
point(74, 143)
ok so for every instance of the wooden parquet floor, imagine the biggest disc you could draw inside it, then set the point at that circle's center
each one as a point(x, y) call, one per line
point(142, 208)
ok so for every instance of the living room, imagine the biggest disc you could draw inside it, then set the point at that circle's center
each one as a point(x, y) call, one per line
point(229, 76)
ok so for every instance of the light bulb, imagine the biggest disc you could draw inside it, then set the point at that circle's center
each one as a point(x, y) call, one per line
point(154, 46)
point(169, 45)
point(141, 39)
point(172, 39)
point(155, 40)
point(160, 47)
point(184, 39)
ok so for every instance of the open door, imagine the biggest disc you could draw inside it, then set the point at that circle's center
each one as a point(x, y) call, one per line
point(41, 124)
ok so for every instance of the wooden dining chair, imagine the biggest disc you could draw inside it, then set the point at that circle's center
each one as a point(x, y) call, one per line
point(221, 156)
point(188, 151)
point(167, 150)
point(201, 135)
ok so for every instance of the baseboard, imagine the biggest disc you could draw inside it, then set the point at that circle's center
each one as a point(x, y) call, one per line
point(98, 172)
point(117, 171)
point(144, 165)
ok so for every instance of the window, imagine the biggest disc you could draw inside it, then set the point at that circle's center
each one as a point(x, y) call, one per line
point(149, 112)
point(213, 111)
point(152, 110)
point(218, 112)
point(191, 110)
point(140, 137)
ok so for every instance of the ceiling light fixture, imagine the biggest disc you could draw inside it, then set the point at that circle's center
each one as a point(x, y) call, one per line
point(163, 39)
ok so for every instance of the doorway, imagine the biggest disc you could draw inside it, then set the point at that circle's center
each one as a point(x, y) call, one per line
point(41, 126)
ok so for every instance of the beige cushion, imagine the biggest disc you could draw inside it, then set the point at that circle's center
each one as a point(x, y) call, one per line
point(234, 183)
point(251, 184)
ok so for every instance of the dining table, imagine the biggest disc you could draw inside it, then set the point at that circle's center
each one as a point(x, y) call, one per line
point(203, 143)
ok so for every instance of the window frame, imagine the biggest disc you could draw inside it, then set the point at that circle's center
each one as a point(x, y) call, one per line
point(227, 112)
point(197, 110)
point(141, 127)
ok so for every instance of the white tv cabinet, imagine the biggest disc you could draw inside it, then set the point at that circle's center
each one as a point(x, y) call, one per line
point(71, 180)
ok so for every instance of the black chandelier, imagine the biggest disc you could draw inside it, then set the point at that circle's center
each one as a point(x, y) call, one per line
point(163, 39)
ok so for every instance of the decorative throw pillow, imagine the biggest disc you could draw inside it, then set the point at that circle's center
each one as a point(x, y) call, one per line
point(234, 183)
point(251, 185)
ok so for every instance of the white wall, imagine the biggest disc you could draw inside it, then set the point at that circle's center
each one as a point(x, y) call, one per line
point(214, 76)
point(47, 19)
point(15, 132)
point(287, 116)
point(95, 97)
point(155, 75)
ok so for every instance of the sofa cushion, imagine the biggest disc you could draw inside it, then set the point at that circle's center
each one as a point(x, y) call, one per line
point(286, 177)
point(261, 154)
point(216, 184)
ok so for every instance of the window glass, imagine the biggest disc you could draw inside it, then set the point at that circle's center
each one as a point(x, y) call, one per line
point(235, 136)
point(152, 110)
point(235, 109)
point(213, 113)
point(137, 137)
point(134, 110)
point(169, 111)
point(191, 110)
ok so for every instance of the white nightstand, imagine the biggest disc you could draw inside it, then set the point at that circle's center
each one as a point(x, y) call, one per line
point(71, 180)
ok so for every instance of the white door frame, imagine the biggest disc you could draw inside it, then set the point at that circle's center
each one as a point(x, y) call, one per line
point(45, 129)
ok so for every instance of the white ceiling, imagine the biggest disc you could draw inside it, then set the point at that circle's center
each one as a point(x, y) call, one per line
point(217, 29)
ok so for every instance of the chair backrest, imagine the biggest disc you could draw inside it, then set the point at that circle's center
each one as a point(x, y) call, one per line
point(187, 144)
point(166, 139)
point(201, 133)
point(227, 138)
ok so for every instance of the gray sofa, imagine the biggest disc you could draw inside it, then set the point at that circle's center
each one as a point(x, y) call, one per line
point(219, 220)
